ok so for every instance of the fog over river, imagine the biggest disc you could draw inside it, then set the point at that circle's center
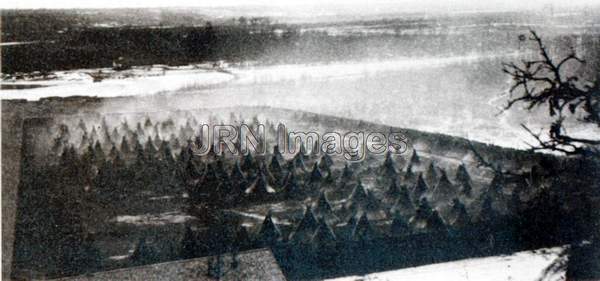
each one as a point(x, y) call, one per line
point(456, 95)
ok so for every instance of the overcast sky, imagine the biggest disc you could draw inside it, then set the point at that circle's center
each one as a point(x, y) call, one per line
point(412, 5)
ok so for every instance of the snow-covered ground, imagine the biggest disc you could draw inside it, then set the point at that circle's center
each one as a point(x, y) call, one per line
point(141, 82)
point(155, 79)
point(154, 219)
point(455, 95)
point(521, 266)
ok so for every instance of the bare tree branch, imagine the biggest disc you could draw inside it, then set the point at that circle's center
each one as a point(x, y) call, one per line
point(542, 82)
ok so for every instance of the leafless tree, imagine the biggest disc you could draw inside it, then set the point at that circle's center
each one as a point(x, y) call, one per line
point(546, 82)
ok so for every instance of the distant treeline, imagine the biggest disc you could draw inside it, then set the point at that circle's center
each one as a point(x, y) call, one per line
point(99, 47)
point(72, 39)
point(62, 47)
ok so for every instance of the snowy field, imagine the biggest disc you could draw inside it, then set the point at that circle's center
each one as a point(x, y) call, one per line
point(521, 266)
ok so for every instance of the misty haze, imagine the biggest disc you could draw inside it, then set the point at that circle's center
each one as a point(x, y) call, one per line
point(102, 157)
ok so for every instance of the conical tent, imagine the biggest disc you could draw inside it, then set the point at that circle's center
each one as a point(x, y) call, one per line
point(262, 169)
point(138, 130)
point(420, 220)
point(420, 188)
point(329, 178)
point(118, 161)
point(347, 172)
point(444, 190)
point(409, 174)
point(187, 153)
point(84, 141)
point(315, 174)
point(81, 125)
point(487, 213)
point(496, 185)
point(347, 229)
point(157, 140)
point(98, 151)
point(403, 205)
point(458, 216)
point(393, 191)
point(303, 151)
point(166, 152)
point(362, 200)
point(106, 138)
point(326, 162)
point(236, 173)
point(248, 162)
point(226, 186)
point(424, 205)
point(275, 166)
point(352, 221)
point(114, 135)
point(372, 204)
point(316, 149)
point(415, 159)
point(363, 231)
point(359, 195)
point(323, 207)
point(292, 188)
point(94, 134)
point(210, 174)
point(260, 187)
point(466, 189)
point(399, 226)
point(389, 167)
point(462, 175)
point(309, 221)
point(324, 234)
point(431, 175)
point(277, 154)
point(174, 141)
point(147, 123)
point(435, 223)
point(306, 227)
point(269, 232)
point(113, 152)
point(357, 199)
point(298, 162)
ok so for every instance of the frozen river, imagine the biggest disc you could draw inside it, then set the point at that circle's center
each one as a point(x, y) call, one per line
point(456, 95)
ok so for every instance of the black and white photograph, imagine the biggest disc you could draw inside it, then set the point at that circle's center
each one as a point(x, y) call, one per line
point(337, 140)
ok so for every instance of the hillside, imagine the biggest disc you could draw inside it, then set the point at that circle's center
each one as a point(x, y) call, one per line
point(160, 209)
